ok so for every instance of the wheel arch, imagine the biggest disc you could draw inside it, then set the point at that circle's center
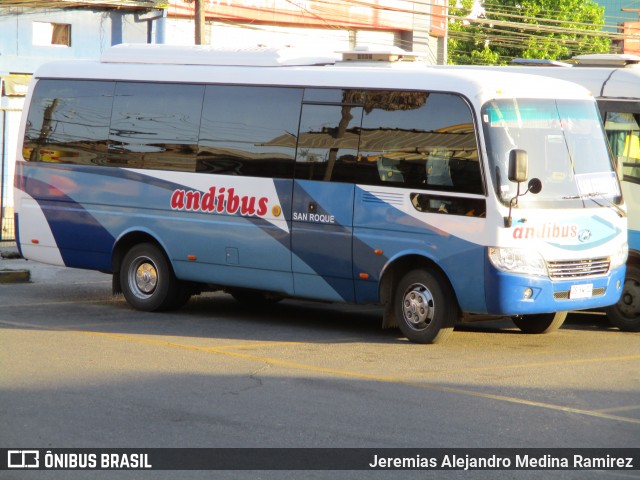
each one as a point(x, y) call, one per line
point(123, 245)
point(397, 268)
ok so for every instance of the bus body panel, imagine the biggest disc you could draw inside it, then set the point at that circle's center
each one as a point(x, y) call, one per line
point(509, 295)
point(385, 221)
point(322, 233)
point(621, 84)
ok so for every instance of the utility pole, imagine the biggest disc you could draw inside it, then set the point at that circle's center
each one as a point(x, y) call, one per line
point(199, 21)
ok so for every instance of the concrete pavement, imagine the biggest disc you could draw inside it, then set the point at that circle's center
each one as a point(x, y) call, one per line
point(12, 272)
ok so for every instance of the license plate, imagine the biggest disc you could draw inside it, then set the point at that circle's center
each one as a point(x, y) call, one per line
point(581, 291)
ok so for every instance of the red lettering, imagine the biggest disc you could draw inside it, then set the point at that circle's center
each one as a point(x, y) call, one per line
point(209, 200)
point(517, 232)
point(233, 201)
point(177, 200)
point(193, 200)
point(220, 202)
point(547, 230)
point(248, 206)
point(262, 206)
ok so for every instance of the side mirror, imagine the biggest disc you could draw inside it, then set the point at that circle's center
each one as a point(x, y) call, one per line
point(518, 165)
point(519, 173)
point(534, 186)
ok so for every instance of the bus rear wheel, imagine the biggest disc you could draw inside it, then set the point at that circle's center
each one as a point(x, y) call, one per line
point(626, 313)
point(540, 323)
point(424, 307)
point(147, 280)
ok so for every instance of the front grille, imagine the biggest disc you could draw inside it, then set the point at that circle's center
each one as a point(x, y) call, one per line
point(589, 267)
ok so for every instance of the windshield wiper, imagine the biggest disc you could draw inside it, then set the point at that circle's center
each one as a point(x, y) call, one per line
point(601, 195)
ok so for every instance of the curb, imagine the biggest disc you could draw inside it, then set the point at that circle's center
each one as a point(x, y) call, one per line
point(15, 276)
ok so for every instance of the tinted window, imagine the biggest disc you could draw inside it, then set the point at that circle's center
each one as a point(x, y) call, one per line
point(623, 133)
point(155, 125)
point(420, 140)
point(249, 131)
point(68, 122)
point(328, 144)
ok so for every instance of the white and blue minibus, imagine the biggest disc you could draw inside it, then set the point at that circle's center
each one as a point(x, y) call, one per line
point(438, 195)
point(614, 79)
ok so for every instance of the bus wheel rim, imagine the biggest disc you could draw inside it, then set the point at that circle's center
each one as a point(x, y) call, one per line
point(417, 306)
point(144, 277)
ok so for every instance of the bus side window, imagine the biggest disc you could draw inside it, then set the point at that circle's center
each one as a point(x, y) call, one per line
point(328, 143)
point(421, 140)
point(147, 133)
point(623, 133)
point(68, 122)
point(250, 131)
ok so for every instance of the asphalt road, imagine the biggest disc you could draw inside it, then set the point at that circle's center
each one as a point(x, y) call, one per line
point(79, 368)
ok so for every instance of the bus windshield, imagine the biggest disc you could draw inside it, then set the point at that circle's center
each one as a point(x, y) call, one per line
point(566, 148)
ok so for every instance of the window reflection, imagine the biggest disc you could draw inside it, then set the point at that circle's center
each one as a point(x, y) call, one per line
point(421, 140)
point(155, 126)
point(376, 137)
point(249, 131)
point(328, 144)
point(68, 122)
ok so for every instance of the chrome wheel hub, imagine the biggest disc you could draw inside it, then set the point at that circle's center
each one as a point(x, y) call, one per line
point(417, 306)
point(145, 278)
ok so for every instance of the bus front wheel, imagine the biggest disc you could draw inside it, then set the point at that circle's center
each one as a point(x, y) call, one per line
point(626, 313)
point(540, 323)
point(424, 307)
point(147, 280)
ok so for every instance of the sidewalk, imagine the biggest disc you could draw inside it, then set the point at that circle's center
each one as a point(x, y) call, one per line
point(9, 251)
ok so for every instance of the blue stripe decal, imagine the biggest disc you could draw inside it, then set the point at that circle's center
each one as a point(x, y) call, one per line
point(92, 249)
point(593, 232)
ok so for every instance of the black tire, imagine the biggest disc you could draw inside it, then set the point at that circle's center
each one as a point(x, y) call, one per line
point(147, 280)
point(425, 307)
point(540, 323)
point(626, 313)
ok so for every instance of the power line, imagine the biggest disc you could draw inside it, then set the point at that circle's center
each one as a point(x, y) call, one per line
point(503, 24)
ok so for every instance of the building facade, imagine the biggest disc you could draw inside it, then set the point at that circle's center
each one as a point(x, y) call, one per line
point(623, 16)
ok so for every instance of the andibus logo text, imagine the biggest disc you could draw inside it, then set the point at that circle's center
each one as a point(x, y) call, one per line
point(219, 200)
point(549, 230)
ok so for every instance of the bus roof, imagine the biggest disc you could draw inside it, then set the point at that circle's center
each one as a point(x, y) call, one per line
point(175, 64)
point(603, 82)
point(259, 56)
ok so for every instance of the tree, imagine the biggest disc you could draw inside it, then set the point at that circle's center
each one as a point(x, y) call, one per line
point(507, 29)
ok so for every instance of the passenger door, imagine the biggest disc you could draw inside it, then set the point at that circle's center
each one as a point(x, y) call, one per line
point(323, 193)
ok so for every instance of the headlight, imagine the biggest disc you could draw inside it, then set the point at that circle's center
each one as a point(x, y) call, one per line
point(619, 256)
point(517, 260)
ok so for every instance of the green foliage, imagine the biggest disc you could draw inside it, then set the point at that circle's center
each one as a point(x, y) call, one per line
point(551, 29)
